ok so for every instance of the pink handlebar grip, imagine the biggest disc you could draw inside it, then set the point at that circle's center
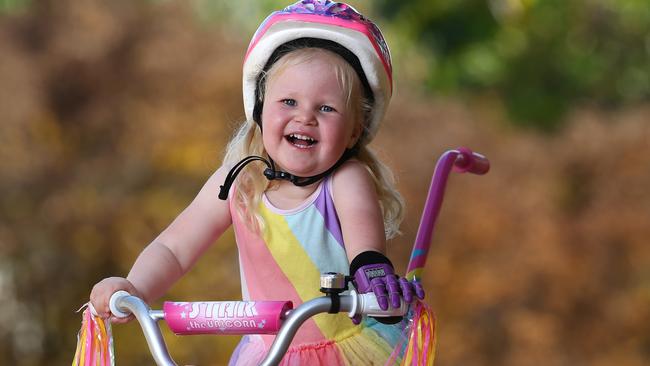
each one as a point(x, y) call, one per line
point(225, 317)
point(469, 161)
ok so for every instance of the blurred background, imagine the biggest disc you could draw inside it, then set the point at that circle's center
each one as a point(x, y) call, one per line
point(114, 113)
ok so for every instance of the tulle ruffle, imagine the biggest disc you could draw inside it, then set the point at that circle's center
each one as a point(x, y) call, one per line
point(371, 343)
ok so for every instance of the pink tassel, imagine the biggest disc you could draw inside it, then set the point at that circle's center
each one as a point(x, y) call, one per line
point(418, 344)
point(94, 342)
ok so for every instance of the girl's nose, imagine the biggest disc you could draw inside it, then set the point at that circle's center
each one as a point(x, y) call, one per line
point(305, 116)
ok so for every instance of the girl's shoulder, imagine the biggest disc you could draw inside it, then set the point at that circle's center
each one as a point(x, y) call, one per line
point(351, 169)
point(352, 180)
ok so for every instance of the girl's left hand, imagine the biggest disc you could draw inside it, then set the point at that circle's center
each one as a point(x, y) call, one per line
point(382, 281)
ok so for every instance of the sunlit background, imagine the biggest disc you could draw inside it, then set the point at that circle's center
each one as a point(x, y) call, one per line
point(113, 114)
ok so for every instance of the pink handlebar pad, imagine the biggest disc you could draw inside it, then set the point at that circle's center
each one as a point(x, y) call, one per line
point(226, 317)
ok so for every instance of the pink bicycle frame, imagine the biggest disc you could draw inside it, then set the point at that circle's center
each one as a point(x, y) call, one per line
point(461, 160)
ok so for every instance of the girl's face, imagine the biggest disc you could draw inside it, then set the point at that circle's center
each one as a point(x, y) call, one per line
point(307, 123)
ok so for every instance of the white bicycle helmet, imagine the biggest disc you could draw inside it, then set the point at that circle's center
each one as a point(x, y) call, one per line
point(330, 21)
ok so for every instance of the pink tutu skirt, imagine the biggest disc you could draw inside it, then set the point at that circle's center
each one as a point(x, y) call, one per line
point(368, 344)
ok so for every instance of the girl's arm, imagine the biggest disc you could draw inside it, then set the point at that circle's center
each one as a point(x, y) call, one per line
point(175, 250)
point(357, 206)
point(181, 244)
point(362, 225)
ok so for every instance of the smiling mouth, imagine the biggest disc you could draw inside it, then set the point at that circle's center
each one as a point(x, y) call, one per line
point(300, 141)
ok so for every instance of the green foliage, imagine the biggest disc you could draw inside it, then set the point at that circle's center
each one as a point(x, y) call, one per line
point(10, 6)
point(540, 57)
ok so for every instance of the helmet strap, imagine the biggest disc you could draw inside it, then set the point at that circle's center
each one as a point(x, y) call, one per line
point(272, 174)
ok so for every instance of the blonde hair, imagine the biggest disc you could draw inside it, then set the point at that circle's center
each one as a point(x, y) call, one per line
point(247, 141)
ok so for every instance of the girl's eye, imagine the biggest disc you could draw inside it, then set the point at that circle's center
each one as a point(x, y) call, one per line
point(326, 108)
point(289, 102)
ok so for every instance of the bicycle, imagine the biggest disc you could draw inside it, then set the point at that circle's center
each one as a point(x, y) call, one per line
point(279, 317)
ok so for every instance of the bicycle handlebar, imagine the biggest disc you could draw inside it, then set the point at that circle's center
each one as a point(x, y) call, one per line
point(122, 304)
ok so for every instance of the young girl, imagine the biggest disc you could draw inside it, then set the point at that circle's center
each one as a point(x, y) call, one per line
point(317, 81)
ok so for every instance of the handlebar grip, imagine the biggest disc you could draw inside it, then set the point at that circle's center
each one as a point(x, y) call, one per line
point(367, 305)
point(112, 304)
point(469, 161)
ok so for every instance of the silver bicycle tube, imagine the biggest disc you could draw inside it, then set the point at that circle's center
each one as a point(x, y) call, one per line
point(295, 319)
point(148, 322)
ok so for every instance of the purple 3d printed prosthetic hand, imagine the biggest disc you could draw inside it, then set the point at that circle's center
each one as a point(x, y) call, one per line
point(373, 272)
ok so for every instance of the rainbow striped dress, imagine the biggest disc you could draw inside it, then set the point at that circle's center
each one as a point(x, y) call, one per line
point(285, 263)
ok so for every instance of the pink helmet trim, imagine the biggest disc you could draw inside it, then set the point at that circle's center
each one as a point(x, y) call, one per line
point(373, 37)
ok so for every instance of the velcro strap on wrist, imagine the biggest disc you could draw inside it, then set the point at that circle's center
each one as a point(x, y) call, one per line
point(368, 257)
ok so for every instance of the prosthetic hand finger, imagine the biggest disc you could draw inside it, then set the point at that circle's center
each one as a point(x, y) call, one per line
point(407, 290)
point(394, 293)
point(379, 288)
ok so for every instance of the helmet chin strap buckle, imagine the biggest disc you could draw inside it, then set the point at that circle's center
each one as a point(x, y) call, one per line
point(272, 174)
